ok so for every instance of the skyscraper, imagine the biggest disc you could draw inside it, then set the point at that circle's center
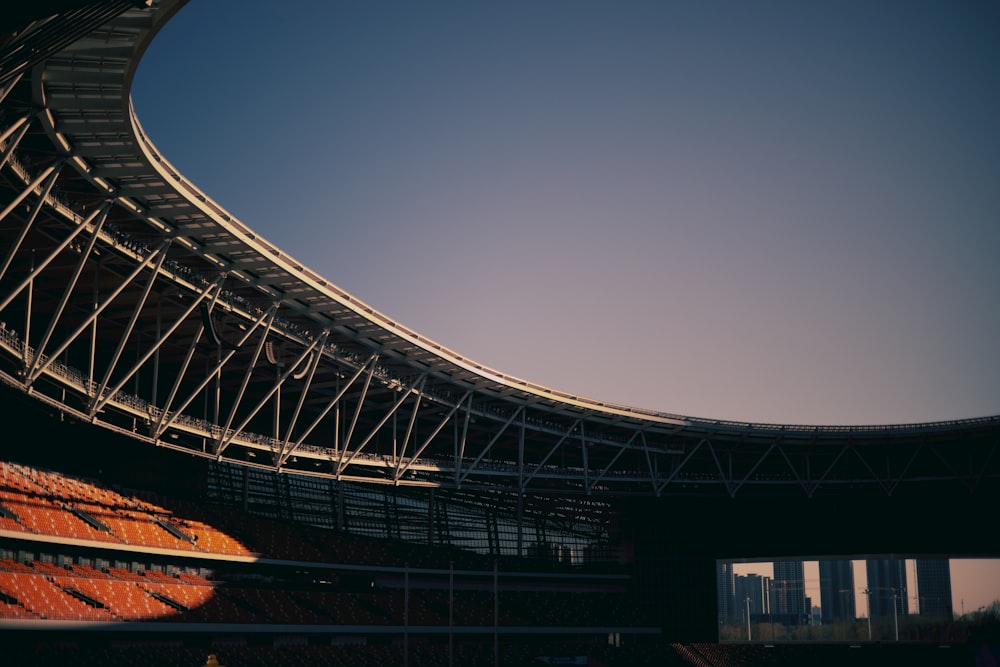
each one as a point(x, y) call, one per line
point(836, 590)
point(725, 591)
point(887, 586)
point(934, 587)
point(756, 588)
point(789, 595)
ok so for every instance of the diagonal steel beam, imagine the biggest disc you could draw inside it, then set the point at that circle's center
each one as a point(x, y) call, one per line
point(451, 413)
point(26, 227)
point(354, 421)
point(159, 254)
point(97, 212)
point(310, 373)
point(753, 468)
point(545, 459)
point(722, 473)
point(67, 293)
point(13, 144)
point(906, 468)
point(829, 469)
point(332, 403)
point(32, 186)
point(271, 314)
point(410, 425)
point(100, 398)
point(166, 422)
point(984, 467)
point(680, 465)
point(18, 122)
point(9, 85)
point(870, 469)
point(951, 469)
point(791, 466)
point(614, 460)
point(490, 444)
point(417, 389)
point(182, 371)
point(227, 438)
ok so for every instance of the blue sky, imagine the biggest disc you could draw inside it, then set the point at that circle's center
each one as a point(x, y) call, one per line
point(774, 211)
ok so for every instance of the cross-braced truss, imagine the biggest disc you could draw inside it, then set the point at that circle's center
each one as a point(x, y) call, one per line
point(132, 300)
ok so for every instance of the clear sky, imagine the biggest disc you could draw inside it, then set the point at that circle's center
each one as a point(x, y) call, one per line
point(769, 211)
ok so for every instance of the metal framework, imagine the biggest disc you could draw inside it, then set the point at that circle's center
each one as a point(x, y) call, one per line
point(130, 299)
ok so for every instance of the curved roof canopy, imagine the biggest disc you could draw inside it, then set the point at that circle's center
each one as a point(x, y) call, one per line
point(131, 299)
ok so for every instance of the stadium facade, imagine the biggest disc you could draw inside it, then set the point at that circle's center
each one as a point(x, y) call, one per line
point(140, 311)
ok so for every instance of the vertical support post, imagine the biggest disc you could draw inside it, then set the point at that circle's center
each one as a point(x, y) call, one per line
point(341, 524)
point(430, 517)
point(156, 355)
point(520, 486)
point(218, 384)
point(868, 596)
point(27, 313)
point(93, 333)
point(406, 614)
point(496, 616)
point(451, 613)
point(895, 614)
point(246, 489)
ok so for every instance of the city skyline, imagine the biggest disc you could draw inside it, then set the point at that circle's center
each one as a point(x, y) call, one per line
point(975, 582)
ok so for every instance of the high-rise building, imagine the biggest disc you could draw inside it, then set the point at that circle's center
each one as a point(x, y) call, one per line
point(887, 587)
point(934, 587)
point(836, 590)
point(755, 588)
point(788, 598)
point(725, 591)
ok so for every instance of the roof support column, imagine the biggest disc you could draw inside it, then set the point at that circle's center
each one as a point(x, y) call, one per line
point(520, 486)
point(460, 443)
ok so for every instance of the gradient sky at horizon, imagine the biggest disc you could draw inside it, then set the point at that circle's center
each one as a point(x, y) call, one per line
point(774, 212)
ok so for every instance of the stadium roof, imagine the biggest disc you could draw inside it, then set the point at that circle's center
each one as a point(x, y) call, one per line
point(133, 300)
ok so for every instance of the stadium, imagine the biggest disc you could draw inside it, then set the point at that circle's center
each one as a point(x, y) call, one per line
point(211, 449)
